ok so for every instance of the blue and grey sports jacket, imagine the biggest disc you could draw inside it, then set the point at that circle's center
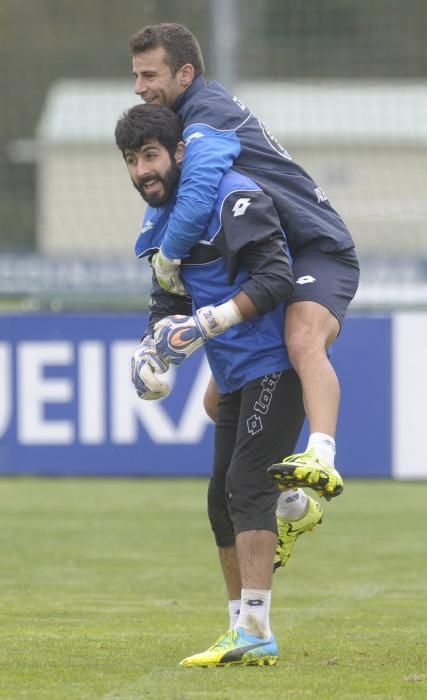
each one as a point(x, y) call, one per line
point(220, 132)
point(242, 248)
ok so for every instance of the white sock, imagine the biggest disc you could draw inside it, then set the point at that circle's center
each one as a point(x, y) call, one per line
point(255, 612)
point(292, 504)
point(324, 446)
point(233, 613)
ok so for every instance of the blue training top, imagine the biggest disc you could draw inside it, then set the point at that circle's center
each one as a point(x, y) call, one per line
point(220, 132)
point(221, 264)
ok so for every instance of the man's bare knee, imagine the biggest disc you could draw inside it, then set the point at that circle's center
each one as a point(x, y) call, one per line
point(309, 329)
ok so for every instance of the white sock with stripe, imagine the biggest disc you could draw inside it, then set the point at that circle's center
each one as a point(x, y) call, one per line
point(254, 615)
point(292, 504)
point(324, 446)
point(233, 613)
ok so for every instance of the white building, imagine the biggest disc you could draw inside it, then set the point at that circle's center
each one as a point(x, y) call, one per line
point(365, 144)
point(85, 201)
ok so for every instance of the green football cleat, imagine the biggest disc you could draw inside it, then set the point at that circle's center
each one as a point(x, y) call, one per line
point(289, 530)
point(307, 469)
point(237, 648)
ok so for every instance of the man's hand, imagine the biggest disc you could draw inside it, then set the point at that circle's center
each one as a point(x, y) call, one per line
point(177, 337)
point(145, 368)
point(167, 273)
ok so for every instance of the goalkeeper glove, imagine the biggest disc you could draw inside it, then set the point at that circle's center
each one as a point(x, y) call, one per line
point(177, 337)
point(145, 367)
point(167, 273)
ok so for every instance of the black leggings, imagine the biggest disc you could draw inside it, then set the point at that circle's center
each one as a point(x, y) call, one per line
point(256, 426)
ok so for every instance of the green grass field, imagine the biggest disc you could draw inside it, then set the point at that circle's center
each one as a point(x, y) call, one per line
point(106, 584)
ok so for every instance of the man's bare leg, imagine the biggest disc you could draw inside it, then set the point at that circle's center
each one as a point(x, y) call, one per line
point(255, 551)
point(230, 569)
point(309, 330)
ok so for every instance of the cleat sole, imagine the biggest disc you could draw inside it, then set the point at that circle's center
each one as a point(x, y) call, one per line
point(260, 661)
point(297, 477)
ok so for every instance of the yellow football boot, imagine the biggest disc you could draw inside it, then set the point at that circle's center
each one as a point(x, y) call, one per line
point(236, 647)
point(289, 530)
point(307, 470)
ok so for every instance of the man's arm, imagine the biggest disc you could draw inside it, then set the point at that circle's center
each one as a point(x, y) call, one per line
point(254, 243)
point(177, 337)
point(163, 304)
point(270, 275)
point(209, 153)
point(255, 240)
point(145, 364)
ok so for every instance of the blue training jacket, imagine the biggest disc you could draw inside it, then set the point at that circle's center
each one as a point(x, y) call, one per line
point(242, 248)
point(220, 132)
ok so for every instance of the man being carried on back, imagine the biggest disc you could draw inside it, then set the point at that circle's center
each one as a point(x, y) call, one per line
point(220, 132)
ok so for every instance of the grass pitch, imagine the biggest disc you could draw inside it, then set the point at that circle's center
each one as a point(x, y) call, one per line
point(106, 584)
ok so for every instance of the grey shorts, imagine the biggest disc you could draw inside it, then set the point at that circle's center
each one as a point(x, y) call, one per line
point(330, 279)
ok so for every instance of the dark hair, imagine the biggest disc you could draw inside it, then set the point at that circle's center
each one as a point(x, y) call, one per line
point(180, 45)
point(147, 122)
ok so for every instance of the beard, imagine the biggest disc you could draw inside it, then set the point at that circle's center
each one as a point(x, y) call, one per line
point(169, 183)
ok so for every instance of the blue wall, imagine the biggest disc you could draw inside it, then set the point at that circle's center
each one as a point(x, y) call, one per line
point(68, 407)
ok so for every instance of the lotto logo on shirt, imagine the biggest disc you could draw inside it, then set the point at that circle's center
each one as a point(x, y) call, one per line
point(241, 206)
